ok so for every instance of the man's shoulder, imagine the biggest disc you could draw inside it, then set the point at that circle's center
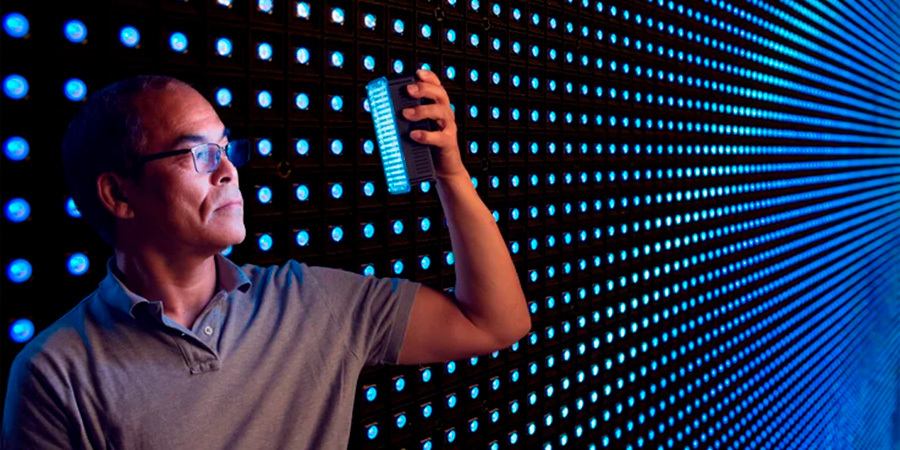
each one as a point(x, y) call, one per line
point(63, 341)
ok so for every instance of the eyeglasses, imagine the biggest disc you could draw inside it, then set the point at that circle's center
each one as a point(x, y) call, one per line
point(208, 156)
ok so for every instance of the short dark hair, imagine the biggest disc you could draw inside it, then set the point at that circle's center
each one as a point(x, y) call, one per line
point(106, 136)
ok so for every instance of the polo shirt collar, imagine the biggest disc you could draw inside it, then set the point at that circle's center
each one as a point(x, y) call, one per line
point(117, 295)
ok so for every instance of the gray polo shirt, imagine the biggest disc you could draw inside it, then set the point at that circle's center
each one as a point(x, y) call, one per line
point(271, 362)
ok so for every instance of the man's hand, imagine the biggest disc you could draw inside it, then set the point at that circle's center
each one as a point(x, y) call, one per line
point(448, 162)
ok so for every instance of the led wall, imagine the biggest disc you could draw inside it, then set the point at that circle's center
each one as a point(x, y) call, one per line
point(702, 199)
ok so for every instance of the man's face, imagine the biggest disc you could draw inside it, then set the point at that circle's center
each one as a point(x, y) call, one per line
point(175, 207)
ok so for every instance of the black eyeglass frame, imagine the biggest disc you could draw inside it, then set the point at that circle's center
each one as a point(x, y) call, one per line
point(193, 151)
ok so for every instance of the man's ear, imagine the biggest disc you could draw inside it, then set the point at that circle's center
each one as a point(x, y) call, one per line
point(111, 191)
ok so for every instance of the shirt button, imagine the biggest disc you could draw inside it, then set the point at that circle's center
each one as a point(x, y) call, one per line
point(208, 330)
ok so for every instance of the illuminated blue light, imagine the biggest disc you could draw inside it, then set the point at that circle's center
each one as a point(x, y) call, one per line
point(264, 242)
point(371, 393)
point(264, 99)
point(369, 189)
point(425, 224)
point(178, 42)
point(302, 11)
point(337, 15)
point(369, 63)
point(301, 101)
point(302, 55)
point(425, 262)
point(17, 210)
point(370, 21)
point(302, 238)
point(473, 425)
point(129, 36)
point(474, 40)
point(397, 226)
point(75, 31)
point(16, 148)
point(265, 6)
point(15, 25)
point(372, 431)
point(302, 193)
point(399, 26)
point(264, 147)
point(400, 420)
point(450, 35)
point(450, 72)
point(78, 264)
point(337, 234)
point(72, 209)
point(75, 90)
point(15, 87)
point(21, 331)
point(398, 267)
point(337, 103)
point(425, 31)
point(264, 51)
point(337, 59)
point(426, 375)
point(449, 258)
point(451, 435)
point(368, 230)
point(223, 47)
point(264, 194)
point(18, 271)
point(337, 190)
point(473, 75)
point(301, 147)
point(398, 66)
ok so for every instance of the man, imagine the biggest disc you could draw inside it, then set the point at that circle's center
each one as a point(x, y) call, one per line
point(180, 348)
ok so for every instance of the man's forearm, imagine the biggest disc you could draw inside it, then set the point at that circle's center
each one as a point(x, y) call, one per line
point(487, 287)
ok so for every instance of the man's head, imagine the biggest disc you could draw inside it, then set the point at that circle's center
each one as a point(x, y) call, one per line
point(165, 202)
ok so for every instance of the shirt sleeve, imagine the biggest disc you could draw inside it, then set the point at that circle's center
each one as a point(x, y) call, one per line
point(372, 312)
point(33, 417)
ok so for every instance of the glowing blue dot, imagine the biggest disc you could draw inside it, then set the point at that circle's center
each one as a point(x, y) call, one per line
point(21, 330)
point(302, 55)
point(451, 401)
point(18, 271)
point(399, 26)
point(425, 262)
point(398, 267)
point(451, 435)
point(473, 425)
point(225, 3)
point(265, 6)
point(368, 147)
point(337, 233)
point(302, 147)
point(264, 242)
point(369, 230)
point(16, 148)
point(451, 35)
point(474, 40)
point(371, 393)
point(130, 36)
point(264, 99)
point(302, 11)
point(473, 75)
point(427, 444)
point(264, 194)
point(426, 411)
point(264, 147)
point(369, 189)
point(223, 97)
point(473, 111)
point(398, 226)
point(15, 87)
point(302, 238)
point(426, 375)
point(398, 66)
point(264, 51)
point(337, 102)
point(75, 31)
point(17, 210)
point(75, 90)
point(449, 258)
point(72, 209)
point(425, 186)
point(450, 72)
point(425, 224)
point(223, 47)
point(302, 193)
point(178, 42)
point(301, 101)
point(337, 190)
point(337, 16)
point(15, 25)
point(372, 431)
point(370, 21)
point(516, 80)
point(401, 420)
point(337, 59)
point(369, 63)
point(425, 31)
point(78, 264)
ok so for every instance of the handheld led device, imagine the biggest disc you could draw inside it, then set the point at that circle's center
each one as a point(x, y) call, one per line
point(405, 161)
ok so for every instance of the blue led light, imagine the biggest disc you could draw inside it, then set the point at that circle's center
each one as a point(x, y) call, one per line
point(450, 35)
point(129, 36)
point(15, 87)
point(78, 264)
point(301, 101)
point(264, 242)
point(302, 10)
point(178, 42)
point(337, 103)
point(71, 209)
point(369, 63)
point(302, 55)
point(425, 31)
point(17, 210)
point(337, 15)
point(425, 262)
point(397, 66)
point(223, 47)
point(18, 271)
point(337, 190)
point(302, 193)
point(75, 31)
point(264, 194)
point(372, 431)
point(15, 25)
point(264, 99)
point(302, 238)
point(369, 21)
point(399, 26)
point(75, 90)
point(337, 234)
point(301, 146)
point(400, 420)
point(16, 148)
point(337, 59)
point(264, 51)
point(21, 331)
point(450, 72)
point(265, 6)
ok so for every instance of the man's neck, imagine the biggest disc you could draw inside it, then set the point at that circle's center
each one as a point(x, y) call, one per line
point(184, 284)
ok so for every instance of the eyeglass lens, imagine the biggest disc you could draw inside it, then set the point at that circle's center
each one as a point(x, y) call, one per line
point(208, 157)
